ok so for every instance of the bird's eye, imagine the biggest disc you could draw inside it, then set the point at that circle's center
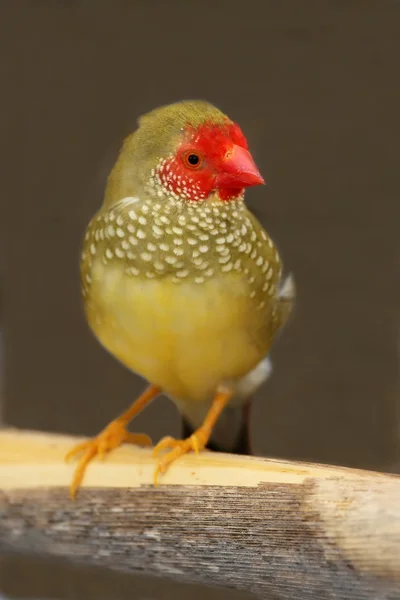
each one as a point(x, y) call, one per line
point(192, 160)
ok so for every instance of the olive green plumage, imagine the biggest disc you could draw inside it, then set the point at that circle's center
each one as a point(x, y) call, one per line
point(157, 135)
point(187, 294)
point(181, 283)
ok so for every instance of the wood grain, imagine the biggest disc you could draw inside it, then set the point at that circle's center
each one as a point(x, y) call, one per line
point(278, 529)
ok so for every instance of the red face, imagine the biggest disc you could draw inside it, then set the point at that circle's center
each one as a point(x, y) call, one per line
point(211, 158)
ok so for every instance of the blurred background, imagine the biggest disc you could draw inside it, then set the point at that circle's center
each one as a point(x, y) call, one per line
point(315, 87)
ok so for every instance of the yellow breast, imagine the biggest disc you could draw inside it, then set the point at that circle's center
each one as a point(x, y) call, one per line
point(185, 299)
point(185, 338)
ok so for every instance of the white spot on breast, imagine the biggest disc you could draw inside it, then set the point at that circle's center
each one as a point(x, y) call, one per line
point(164, 247)
point(158, 265)
point(170, 260)
point(142, 220)
point(191, 241)
point(146, 256)
point(92, 248)
point(132, 215)
point(119, 253)
point(269, 274)
point(259, 261)
point(224, 259)
point(227, 267)
point(203, 248)
point(120, 232)
point(265, 266)
point(178, 241)
point(134, 271)
point(110, 231)
point(130, 228)
point(252, 294)
point(157, 230)
point(151, 247)
point(125, 245)
point(109, 253)
point(182, 274)
point(141, 234)
point(132, 240)
point(120, 221)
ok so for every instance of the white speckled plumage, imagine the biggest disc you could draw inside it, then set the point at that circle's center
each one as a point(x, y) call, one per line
point(181, 286)
point(180, 281)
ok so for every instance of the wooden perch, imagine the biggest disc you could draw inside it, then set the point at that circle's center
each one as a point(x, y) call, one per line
point(281, 530)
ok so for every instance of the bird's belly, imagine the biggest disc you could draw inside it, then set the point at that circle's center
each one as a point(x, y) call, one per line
point(187, 338)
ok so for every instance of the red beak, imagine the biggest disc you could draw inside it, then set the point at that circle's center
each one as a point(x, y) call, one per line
point(238, 170)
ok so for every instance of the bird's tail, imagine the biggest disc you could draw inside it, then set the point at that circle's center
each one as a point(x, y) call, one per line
point(231, 433)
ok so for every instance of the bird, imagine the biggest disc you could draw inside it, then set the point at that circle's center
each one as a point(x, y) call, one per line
point(180, 281)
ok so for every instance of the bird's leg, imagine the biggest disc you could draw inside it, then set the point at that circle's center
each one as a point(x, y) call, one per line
point(111, 437)
point(197, 441)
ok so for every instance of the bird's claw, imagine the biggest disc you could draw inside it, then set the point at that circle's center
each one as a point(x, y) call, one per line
point(110, 438)
point(195, 442)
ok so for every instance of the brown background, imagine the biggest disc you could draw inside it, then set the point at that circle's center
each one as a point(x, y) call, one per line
point(315, 86)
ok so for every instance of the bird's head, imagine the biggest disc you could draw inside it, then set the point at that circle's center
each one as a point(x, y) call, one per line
point(186, 151)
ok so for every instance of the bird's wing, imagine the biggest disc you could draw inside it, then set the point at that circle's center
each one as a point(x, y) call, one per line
point(285, 304)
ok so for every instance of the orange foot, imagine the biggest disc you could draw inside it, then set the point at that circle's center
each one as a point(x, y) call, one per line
point(196, 442)
point(110, 438)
